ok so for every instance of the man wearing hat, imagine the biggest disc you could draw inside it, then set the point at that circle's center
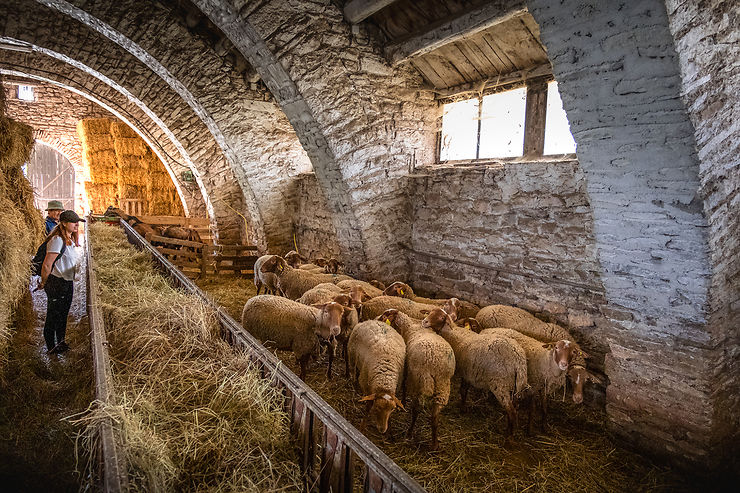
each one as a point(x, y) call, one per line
point(53, 210)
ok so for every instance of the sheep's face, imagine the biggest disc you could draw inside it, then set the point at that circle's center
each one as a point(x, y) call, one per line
point(390, 317)
point(578, 377)
point(562, 352)
point(377, 284)
point(332, 266)
point(274, 264)
point(294, 259)
point(452, 307)
point(470, 324)
point(358, 295)
point(321, 262)
point(436, 320)
point(380, 412)
point(399, 289)
point(330, 324)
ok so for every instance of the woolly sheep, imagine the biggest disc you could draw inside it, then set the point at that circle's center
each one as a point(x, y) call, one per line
point(295, 282)
point(267, 279)
point(430, 364)
point(287, 324)
point(466, 309)
point(547, 364)
point(522, 321)
point(490, 362)
point(374, 307)
point(376, 359)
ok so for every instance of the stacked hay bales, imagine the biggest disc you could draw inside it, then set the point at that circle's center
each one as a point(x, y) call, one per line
point(132, 169)
point(21, 225)
point(122, 166)
point(161, 193)
point(99, 156)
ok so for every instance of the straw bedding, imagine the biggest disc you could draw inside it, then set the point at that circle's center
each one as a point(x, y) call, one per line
point(194, 413)
point(574, 454)
point(20, 222)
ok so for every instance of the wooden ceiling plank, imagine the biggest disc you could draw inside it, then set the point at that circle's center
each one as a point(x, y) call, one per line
point(500, 52)
point(461, 62)
point(534, 30)
point(356, 11)
point(449, 74)
point(543, 71)
point(478, 59)
point(428, 72)
point(449, 31)
point(488, 53)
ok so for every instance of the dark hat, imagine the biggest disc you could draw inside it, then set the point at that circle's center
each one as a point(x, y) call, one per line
point(55, 205)
point(70, 216)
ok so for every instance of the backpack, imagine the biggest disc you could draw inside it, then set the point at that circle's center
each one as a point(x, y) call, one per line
point(38, 260)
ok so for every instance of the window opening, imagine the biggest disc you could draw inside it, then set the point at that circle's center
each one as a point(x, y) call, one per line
point(558, 139)
point(25, 93)
point(460, 130)
point(502, 124)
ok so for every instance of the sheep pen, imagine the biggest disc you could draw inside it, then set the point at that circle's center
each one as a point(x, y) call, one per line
point(192, 411)
point(575, 454)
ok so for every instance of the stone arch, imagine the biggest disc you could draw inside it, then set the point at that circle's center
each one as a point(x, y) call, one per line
point(211, 92)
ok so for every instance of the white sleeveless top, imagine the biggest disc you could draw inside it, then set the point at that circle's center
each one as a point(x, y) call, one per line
point(66, 265)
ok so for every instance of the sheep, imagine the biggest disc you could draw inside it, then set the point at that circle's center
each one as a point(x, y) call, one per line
point(267, 279)
point(294, 259)
point(370, 290)
point(377, 284)
point(332, 266)
point(318, 265)
point(288, 324)
point(376, 355)
point(376, 306)
point(522, 321)
point(547, 364)
point(490, 362)
point(430, 365)
point(466, 309)
point(181, 233)
point(295, 282)
point(324, 294)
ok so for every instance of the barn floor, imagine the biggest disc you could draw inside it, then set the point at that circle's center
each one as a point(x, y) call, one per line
point(37, 446)
point(573, 454)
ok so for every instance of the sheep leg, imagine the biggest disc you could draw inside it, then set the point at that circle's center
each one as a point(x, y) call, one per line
point(259, 287)
point(303, 361)
point(511, 419)
point(330, 351)
point(346, 357)
point(543, 403)
point(405, 380)
point(436, 409)
point(363, 424)
point(463, 395)
point(414, 415)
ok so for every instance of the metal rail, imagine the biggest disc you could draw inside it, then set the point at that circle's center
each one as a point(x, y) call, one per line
point(114, 472)
point(340, 443)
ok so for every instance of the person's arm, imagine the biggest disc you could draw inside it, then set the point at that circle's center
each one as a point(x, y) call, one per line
point(46, 267)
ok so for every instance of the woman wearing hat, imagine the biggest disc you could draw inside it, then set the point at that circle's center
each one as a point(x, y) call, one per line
point(57, 276)
point(53, 210)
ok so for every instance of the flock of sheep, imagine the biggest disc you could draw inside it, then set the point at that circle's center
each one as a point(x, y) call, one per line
point(395, 343)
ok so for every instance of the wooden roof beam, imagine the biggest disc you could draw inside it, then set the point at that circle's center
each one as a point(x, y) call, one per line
point(448, 31)
point(356, 11)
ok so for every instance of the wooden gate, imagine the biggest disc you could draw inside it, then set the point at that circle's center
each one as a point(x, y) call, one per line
point(52, 176)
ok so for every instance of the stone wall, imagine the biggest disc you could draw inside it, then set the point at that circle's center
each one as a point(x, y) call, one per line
point(311, 220)
point(618, 76)
point(708, 45)
point(514, 233)
point(54, 115)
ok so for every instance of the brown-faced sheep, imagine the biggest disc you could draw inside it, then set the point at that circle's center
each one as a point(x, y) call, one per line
point(295, 282)
point(489, 362)
point(547, 364)
point(294, 259)
point(267, 279)
point(376, 360)
point(374, 307)
point(522, 321)
point(287, 324)
point(430, 364)
point(465, 309)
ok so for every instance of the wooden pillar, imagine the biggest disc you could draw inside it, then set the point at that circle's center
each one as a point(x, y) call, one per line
point(534, 120)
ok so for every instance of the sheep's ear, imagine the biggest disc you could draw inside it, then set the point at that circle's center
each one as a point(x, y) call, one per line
point(365, 297)
point(399, 403)
point(581, 352)
point(348, 309)
point(548, 345)
point(370, 397)
point(590, 376)
point(320, 306)
point(424, 312)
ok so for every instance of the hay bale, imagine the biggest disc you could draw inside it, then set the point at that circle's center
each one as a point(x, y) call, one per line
point(21, 225)
point(120, 130)
point(95, 126)
point(194, 413)
point(101, 195)
point(160, 181)
point(132, 192)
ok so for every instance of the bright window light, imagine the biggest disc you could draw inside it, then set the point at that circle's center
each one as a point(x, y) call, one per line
point(25, 93)
point(502, 124)
point(558, 139)
point(459, 130)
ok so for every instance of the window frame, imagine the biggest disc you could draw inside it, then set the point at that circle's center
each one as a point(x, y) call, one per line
point(535, 119)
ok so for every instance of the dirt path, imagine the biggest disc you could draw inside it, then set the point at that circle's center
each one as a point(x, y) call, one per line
point(37, 448)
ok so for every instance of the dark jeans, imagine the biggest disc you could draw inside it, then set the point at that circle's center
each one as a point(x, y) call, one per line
point(59, 296)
